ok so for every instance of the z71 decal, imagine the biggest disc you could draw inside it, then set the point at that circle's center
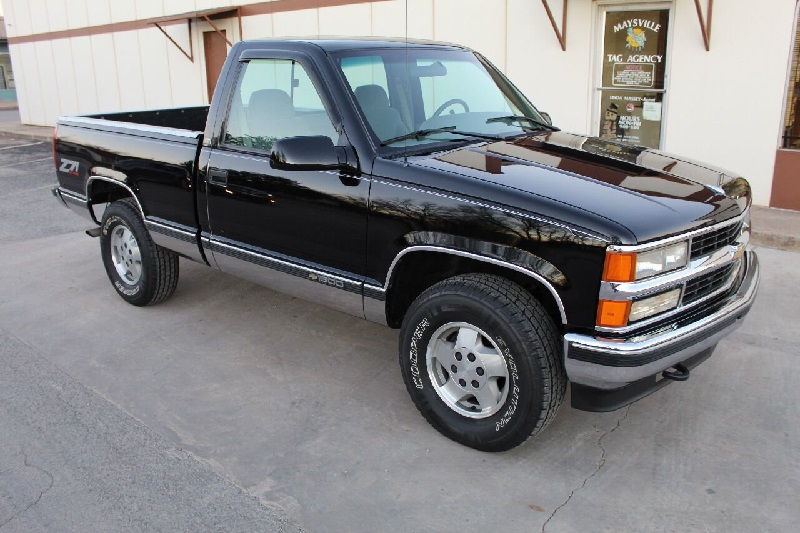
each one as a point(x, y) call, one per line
point(69, 166)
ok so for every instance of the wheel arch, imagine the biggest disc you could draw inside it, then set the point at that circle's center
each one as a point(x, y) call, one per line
point(104, 190)
point(404, 281)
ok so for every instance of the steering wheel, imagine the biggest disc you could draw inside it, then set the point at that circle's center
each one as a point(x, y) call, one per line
point(448, 103)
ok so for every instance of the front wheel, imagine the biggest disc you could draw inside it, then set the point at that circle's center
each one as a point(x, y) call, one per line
point(142, 272)
point(480, 358)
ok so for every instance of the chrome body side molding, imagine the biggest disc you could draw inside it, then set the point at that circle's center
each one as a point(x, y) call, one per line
point(288, 276)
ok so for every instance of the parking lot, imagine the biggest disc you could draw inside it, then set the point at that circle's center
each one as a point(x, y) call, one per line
point(233, 407)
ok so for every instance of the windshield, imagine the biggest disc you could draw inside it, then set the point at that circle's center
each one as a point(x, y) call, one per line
point(417, 97)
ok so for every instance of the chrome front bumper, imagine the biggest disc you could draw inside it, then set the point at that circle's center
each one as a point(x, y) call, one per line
point(603, 363)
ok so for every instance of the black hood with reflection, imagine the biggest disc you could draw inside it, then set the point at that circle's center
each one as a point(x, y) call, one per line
point(651, 193)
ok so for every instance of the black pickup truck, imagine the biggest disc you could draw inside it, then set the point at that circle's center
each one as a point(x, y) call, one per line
point(412, 184)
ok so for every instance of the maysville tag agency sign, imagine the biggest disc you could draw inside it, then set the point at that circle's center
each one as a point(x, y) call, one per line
point(634, 63)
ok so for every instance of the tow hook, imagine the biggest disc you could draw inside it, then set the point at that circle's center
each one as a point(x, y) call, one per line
point(676, 373)
point(94, 232)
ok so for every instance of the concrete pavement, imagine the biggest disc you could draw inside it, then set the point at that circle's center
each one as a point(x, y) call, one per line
point(305, 409)
point(72, 461)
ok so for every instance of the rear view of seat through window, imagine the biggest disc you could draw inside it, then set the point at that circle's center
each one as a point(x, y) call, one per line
point(385, 121)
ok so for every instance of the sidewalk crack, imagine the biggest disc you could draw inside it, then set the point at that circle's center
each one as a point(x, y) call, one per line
point(41, 493)
point(597, 469)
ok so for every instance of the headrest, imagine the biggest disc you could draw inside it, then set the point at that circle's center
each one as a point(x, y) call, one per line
point(273, 103)
point(372, 96)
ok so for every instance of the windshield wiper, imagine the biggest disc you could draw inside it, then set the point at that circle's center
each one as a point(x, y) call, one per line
point(421, 134)
point(522, 118)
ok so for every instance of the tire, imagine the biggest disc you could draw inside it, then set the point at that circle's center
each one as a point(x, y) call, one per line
point(505, 320)
point(141, 272)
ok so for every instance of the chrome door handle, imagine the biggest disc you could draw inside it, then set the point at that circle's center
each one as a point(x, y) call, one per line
point(217, 176)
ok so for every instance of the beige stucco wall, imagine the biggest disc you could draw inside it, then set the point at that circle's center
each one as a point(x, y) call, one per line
point(723, 106)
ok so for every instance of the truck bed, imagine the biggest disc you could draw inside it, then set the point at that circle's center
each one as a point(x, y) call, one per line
point(182, 124)
point(152, 154)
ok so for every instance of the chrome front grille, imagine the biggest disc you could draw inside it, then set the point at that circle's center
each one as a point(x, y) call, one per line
point(714, 267)
point(712, 241)
point(707, 284)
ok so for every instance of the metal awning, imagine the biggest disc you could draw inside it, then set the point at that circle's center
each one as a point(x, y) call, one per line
point(705, 22)
point(205, 14)
point(561, 34)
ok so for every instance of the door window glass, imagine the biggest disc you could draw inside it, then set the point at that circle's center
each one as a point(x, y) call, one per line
point(275, 99)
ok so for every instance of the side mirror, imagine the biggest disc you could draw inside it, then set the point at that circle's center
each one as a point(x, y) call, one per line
point(546, 117)
point(305, 153)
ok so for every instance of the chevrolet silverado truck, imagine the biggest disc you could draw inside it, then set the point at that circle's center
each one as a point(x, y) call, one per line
point(412, 184)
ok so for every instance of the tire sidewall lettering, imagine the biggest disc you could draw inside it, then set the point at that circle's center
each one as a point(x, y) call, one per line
point(127, 291)
point(111, 221)
point(413, 354)
point(108, 226)
point(418, 370)
point(512, 401)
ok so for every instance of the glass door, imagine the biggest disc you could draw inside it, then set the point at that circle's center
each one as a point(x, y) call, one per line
point(632, 75)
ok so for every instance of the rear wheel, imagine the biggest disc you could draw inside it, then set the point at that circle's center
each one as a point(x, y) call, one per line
point(142, 272)
point(480, 359)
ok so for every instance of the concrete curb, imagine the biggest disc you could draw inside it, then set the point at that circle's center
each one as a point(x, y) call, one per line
point(773, 240)
point(37, 133)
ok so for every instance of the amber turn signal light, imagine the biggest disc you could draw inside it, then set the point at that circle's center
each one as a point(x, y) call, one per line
point(612, 313)
point(619, 267)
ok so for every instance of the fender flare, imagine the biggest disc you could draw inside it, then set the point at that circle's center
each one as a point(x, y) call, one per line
point(114, 181)
point(498, 261)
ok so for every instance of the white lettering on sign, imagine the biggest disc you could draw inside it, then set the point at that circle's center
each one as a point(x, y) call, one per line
point(642, 23)
point(643, 58)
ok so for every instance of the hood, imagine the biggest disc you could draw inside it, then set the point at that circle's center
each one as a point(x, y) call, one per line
point(651, 193)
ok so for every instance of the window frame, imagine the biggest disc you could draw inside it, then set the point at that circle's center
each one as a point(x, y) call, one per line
point(306, 62)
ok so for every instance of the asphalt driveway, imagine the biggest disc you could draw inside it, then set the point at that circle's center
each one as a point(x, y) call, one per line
point(243, 409)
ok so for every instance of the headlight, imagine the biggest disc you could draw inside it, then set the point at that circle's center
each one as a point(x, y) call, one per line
point(663, 259)
point(653, 305)
point(635, 266)
point(618, 313)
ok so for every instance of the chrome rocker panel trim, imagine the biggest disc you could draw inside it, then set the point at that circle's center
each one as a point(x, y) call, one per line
point(288, 277)
point(631, 360)
point(176, 237)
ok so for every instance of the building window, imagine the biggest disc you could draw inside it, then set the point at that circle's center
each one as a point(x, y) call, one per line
point(791, 122)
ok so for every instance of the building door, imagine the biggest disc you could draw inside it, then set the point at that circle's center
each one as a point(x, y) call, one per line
point(216, 50)
point(632, 74)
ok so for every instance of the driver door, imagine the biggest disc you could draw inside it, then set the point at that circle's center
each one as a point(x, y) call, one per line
point(300, 232)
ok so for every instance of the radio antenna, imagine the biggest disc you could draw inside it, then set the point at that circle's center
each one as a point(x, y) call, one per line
point(407, 80)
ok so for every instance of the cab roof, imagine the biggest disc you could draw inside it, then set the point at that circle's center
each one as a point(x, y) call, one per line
point(338, 44)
